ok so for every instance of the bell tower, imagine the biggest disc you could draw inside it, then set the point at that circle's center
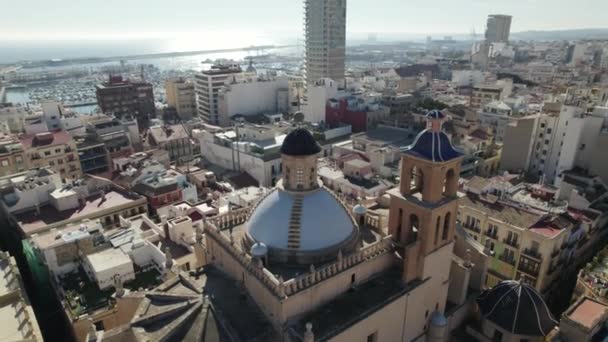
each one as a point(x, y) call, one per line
point(423, 209)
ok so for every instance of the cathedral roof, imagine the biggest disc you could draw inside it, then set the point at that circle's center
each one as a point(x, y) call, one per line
point(300, 142)
point(516, 307)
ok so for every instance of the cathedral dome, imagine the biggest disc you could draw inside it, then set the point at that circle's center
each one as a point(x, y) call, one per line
point(516, 307)
point(300, 142)
point(303, 227)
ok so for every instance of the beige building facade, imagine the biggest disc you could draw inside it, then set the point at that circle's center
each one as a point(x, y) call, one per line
point(181, 96)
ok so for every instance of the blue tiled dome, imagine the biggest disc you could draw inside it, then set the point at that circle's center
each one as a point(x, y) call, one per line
point(516, 307)
point(435, 146)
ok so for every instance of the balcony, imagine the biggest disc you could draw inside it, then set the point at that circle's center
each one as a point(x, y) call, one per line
point(528, 270)
point(511, 242)
point(504, 258)
point(533, 254)
point(472, 227)
point(491, 234)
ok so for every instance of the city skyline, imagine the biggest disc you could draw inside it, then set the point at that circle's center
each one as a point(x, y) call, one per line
point(62, 20)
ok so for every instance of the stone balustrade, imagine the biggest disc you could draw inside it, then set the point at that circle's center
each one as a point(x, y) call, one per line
point(231, 218)
point(342, 263)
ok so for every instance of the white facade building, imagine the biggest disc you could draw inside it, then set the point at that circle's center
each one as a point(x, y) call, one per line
point(253, 96)
point(208, 84)
point(496, 115)
point(318, 95)
point(257, 155)
point(467, 78)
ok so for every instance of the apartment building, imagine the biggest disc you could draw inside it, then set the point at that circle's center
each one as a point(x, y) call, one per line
point(495, 116)
point(253, 96)
point(325, 28)
point(181, 96)
point(37, 200)
point(209, 83)
point(12, 155)
point(172, 138)
point(121, 97)
point(483, 94)
point(546, 145)
point(528, 232)
point(55, 149)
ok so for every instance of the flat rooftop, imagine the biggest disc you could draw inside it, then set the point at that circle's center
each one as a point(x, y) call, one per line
point(353, 306)
point(31, 223)
point(390, 136)
point(512, 215)
point(108, 259)
point(587, 313)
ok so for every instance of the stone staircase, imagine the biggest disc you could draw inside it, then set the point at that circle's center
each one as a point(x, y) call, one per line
point(293, 238)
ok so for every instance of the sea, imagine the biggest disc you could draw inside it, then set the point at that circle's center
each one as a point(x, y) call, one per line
point(18, 51)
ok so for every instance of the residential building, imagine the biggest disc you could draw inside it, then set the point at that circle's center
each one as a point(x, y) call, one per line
point(121, 97)
point(518, 141)
point(554, 143)
point(585, 320)
point(105, 138)
point(55, 149)
point(181, 96)
point(530, 232)
point(165, 187)
point(208, 84)
point(253, 96)
point(318, 94)
point(498, 28)
point(91, 269)
point(381, 146)
point(18, 318)
point(250, 148)
point(483, 94)
point(13, 118)
point(12, 155)
point(495, 116)
point(325, 33)
point(360, 111)
point(37, 200)
point(173, 139)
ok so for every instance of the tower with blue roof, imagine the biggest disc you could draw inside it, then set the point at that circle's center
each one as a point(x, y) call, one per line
point(423, 209)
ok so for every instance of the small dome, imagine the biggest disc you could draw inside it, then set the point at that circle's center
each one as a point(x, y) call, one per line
point(359, 209)
point(435, 114)
point(438, 319)
point(258, 250)
point(300, 142)
point(435, 146)
point(516, 307)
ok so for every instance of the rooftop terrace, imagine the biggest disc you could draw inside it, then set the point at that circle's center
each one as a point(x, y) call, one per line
point(93, 207)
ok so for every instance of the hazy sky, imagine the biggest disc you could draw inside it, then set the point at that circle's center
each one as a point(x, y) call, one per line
point(72, 19)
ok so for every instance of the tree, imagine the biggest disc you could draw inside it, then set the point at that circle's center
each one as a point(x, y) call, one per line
point(298, 117)
point(430, 104)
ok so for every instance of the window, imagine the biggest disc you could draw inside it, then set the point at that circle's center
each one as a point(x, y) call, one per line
point(549, 130)
point(372, 337)
point(47, 153)
point(57, 150)
point(5, 163)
